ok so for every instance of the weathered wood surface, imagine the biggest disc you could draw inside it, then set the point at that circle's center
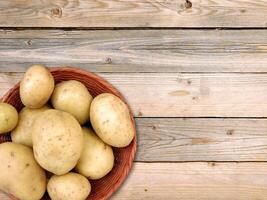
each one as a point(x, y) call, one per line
point(133, 13)
point(136, 50)
point(172, 140)
point(193, 181)
point(184, 95)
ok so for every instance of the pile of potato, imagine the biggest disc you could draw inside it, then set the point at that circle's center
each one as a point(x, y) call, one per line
point(57, 139)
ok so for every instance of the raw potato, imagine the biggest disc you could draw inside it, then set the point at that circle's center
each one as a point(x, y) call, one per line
point(97, 158)
point(74, 98)
point(20, 174)
point(57, 141)
point(69, 186)
point(36, 86)
point(22, 133)
point(8, 117)
point(111, 120)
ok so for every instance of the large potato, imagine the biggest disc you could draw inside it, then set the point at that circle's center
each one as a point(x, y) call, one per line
point(36, 86)
point(22, 133)
point(57, 141)
point(111, 120)
point(69, 186)
point(97, 158)
point(8, 117)
point(74, 98)
point(20, 174)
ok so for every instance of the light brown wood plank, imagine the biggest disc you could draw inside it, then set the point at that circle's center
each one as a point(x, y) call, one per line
point(136, 50)
point(194, 139)
point(133, 13)
point(195, 181)
point(184, 95)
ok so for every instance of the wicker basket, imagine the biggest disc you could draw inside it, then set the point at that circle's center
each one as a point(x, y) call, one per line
point(105, 187)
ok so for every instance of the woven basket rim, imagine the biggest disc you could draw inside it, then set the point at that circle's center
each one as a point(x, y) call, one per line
point(94, 76)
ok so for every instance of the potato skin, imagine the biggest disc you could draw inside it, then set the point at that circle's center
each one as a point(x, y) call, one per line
point(74, 98)
point(36, 86)
point(68, 186)
point(20, 174)
point(57, 141)
point(111, 120)
point(22, 133)
point(8, 117)
point(97, 158)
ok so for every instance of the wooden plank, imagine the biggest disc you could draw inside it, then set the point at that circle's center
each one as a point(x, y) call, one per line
point(195, 181)
point(136, 50)
point(184, 95)
point(194, 139)
point(133, 13)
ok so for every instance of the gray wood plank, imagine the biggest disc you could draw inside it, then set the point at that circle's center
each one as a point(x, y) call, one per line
point(194, 139)
point(136, 50)
point(130, 13)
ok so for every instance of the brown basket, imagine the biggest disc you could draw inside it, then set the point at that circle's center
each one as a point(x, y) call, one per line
point(105, 187)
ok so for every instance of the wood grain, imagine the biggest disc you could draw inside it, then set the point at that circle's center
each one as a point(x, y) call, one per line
point(193, 139)
point(184, 95)
point(136, 50)
point(130, 13)
point(195, 181)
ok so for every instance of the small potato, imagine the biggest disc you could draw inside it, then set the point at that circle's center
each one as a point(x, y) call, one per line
point(57, 141)
point(22, 133)
point(20, 175)
point(111, 120)
point(69, 186)
point(74, 98)
point(97, 158)
point(36, 86)
point(8, 117)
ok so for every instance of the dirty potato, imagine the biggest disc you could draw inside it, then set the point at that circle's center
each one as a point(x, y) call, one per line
point(8, 117)
point(36, 86)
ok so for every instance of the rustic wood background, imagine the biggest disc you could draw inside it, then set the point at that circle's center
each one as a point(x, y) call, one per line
point(193, 71)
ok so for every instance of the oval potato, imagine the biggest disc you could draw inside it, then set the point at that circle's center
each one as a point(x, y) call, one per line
point(111, 120)
point(97, 158)
point(74, 98)
point(36, 86)
point(68, 186)
point(22, 133)
point(57, 141)
point(20, 175)
point(8, 117)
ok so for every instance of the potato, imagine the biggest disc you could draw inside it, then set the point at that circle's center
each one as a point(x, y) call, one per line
point(68, 186)
point(111, 120)
point(97, 158)
point(57, 141)
point(20, 175)
point(74, 98)
point(8, 117)
point(22, 133)
point(36, 86)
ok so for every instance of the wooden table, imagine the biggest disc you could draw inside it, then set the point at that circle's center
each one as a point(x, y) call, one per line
point(194, 73)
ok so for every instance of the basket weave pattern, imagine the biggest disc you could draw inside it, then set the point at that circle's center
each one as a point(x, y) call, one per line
point(105, 187)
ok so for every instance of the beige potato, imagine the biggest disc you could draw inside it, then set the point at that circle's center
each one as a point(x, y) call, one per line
point(36, 86)
point(111, 120)
point(57, 141)
point(20, 174)
point(74, 98)
point(69, 186)
point(8, 117)
point(97, 158)
point(22, 133)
